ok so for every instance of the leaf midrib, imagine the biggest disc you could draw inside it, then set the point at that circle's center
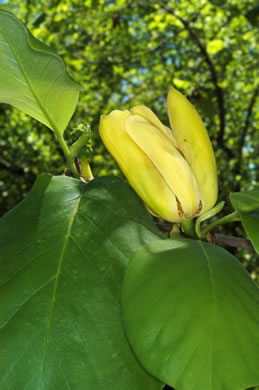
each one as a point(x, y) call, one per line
point(212, 283)
point(59, 266)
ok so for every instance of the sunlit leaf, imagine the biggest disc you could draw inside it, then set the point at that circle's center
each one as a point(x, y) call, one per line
point(33, 78)
point(181, 83)
point(213, 47)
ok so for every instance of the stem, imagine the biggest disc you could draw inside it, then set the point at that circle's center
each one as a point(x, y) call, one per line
point(221, 221)
point(188, 228)
point(208, 214)
point(69, 158)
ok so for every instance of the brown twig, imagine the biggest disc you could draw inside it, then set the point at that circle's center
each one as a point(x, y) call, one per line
point(224, 240)
point(164, 227)
point(217, 238)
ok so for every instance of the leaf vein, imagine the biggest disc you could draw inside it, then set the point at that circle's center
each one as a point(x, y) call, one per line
point(59, 266)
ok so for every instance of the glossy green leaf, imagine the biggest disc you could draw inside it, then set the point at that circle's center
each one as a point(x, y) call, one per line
point(63, 254)
point(33, 78)
point(191, 315)
point(245, 201)
point(247, 204)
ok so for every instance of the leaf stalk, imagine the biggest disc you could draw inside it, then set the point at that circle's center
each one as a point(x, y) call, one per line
point(69, 158)
point(221, 221)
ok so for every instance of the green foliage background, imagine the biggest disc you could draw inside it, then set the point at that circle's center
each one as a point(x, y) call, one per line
point(124, 53)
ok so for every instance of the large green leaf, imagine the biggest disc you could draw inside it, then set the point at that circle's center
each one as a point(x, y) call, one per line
point(33, 78)
point(63, 254)
point(247, 204)
point(191, 315)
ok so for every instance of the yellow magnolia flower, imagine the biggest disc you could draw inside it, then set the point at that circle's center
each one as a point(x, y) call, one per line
point(173, 171)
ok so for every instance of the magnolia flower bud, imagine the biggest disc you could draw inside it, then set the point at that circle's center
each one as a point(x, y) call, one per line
point(173, 171)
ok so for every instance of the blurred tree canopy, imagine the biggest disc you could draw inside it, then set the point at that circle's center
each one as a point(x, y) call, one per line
point(128, 52)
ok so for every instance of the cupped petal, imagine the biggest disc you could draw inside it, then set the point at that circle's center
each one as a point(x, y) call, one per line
point(194, 143)
point(148, 114)
point(137, 167)
point(168, 161)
